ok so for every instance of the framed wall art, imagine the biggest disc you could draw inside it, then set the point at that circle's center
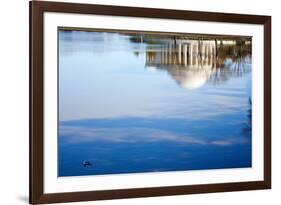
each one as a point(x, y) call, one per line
point(137, 102)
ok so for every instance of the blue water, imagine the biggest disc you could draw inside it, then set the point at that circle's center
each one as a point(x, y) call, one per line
point(124, 111)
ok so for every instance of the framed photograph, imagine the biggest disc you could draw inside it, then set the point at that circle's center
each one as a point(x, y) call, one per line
point(138, 102)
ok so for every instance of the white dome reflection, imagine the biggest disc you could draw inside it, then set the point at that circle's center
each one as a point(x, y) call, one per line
point(193, 63)
point(190, 78)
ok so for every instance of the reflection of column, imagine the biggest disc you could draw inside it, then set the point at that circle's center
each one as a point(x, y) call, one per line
point(202, 53)
point(196, 55)
point(162, 51)
point(211, 56)
point(191, 53)
point(166, 54)
point(214, 56)
point(179, 52)
point(185, 54)
point(216, 47)
point(207, 54)
point(170, 53)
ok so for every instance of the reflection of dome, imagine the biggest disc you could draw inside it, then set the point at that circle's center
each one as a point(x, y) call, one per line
point(190, 78)
point(192, 81)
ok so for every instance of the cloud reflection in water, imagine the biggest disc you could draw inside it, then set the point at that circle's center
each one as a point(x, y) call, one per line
point(192, 112)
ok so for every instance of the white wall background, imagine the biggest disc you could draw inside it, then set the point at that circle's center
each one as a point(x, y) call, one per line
point(14, 101)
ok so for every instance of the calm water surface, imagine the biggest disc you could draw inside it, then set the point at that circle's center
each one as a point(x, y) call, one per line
point(132, 104)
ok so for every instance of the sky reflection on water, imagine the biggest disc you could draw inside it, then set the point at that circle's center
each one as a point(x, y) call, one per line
point(135, 104)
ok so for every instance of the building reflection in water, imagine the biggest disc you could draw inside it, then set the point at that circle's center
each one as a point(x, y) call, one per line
point(191, 60)
point(192, 63)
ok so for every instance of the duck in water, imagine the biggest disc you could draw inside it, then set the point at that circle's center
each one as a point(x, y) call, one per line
point(86, 163)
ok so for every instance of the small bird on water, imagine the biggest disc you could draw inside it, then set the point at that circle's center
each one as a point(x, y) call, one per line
point(86, 163)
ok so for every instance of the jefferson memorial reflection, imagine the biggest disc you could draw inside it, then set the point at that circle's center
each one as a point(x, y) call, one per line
point(192, 63)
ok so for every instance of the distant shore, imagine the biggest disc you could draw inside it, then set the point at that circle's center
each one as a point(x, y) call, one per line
point(190, 36)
